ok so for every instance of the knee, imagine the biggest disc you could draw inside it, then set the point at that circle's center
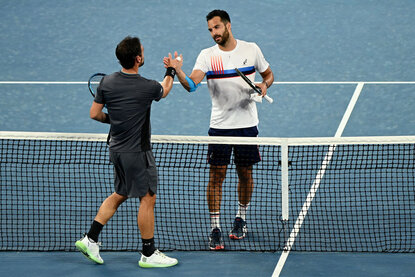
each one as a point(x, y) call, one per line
point(217, 175)
point(117, 199)
point(245, 178)
point(245, 175)
point(148, 200)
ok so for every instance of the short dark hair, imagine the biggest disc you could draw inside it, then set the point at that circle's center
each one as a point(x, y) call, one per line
point(224, 16)
point(127, 50)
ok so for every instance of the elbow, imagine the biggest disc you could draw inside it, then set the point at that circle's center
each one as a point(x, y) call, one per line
point(271, 76)
point(93, 115)
point(165, 92)
point(191, 85)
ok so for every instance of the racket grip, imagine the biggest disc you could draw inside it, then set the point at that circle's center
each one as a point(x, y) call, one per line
point(269, 99)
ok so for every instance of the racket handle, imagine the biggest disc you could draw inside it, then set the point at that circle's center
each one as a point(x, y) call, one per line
point(269, 99)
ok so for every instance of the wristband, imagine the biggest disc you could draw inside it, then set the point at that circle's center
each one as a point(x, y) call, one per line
point(266, 84)
point(107, 118)
point(170, 71)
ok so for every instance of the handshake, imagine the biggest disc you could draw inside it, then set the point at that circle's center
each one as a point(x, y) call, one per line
point(174, 65)
point(175, 62)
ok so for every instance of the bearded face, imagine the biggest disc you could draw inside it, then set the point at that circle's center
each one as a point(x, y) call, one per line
point(223, 38)
point(219, 30)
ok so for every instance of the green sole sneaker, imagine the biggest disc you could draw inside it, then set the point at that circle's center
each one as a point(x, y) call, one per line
point(158, 259)
point(84, 250)
point(149, 265)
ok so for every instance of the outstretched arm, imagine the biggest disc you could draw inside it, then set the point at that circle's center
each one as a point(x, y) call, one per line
point(189, 83)
point(171, 65)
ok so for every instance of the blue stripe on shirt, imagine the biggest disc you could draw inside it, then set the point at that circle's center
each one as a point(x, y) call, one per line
point(229, 73)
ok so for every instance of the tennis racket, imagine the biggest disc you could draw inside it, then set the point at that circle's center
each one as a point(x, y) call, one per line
point(93, 83)
point(252, 85)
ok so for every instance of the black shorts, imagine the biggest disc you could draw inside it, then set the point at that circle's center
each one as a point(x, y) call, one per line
point(135, 173)
point(244, 155)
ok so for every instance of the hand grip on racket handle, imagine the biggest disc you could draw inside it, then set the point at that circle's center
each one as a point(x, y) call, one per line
point(269, 99)
point(251, 84)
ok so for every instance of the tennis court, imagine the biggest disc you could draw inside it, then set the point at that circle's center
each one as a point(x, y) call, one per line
point(343, 69)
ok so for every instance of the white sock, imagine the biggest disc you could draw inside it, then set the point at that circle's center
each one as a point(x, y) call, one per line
point(215, 220)
point(242, 210)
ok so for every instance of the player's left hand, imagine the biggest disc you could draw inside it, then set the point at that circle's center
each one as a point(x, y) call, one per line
point(263, 88)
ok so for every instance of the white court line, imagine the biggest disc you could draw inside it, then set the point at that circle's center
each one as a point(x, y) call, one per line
point(41, 83)
point(316, 183)
point(204, 83)
point(349, 83)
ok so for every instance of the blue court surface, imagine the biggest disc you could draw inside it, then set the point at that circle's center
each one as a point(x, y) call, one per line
point(208, 264)
point(321, 52)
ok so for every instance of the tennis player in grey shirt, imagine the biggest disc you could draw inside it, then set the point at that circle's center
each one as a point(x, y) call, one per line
point(128, 97)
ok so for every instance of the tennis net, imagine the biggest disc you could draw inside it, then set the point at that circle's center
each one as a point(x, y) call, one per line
point(311, 194)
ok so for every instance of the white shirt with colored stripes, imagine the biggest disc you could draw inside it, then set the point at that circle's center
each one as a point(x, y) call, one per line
point(232, 106)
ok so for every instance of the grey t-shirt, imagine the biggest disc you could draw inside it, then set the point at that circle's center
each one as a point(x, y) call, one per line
point(128, 98)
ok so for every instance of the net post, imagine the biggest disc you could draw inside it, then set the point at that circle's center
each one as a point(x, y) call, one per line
point(284, 181)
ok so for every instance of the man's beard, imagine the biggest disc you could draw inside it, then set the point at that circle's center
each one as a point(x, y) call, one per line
point(224, 38)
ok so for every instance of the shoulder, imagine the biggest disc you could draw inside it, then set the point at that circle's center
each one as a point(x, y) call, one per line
point(209, 51)
point(151, 85)
point(149, 82)
point(145, 80)
point(247, 44)
point(110, 76)
point(107, 79)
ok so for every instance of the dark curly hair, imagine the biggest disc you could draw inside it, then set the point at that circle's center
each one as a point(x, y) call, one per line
point(127, 50)
point(224, 16)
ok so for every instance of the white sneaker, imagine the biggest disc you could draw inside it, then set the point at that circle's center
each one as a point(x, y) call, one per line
point(90, 249)
point(158, 259)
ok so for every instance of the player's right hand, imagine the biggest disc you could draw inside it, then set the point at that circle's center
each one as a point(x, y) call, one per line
point(175, 62)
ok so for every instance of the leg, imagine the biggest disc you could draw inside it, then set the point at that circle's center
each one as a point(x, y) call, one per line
point(219, 158)
point(217, 175)
point(105, 213)
point(151, 257)
point(145, 221)
point(245, 157)
point(88, 244)
point(245, 189)
point(245, 184)
point(109, 207)
point(145, 217)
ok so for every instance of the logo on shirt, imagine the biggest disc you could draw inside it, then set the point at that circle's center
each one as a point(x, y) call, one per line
point(217, 65)
point(245, 61)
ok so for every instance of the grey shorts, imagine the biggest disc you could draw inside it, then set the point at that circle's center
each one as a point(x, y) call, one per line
point(135, 173)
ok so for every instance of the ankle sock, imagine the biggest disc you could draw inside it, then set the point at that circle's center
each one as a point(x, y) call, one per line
point(148, 247)
point(95, 230)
